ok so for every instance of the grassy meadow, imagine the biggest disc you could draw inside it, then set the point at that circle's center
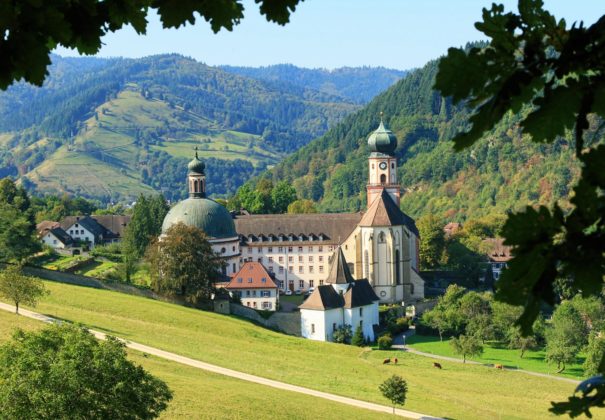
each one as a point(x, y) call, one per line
point(104, 157)
point(457, 391)
point(204, 395)
point(495, 353)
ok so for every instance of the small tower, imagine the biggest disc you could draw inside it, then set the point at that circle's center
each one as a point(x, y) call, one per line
point(382, 164)
point(196, 177)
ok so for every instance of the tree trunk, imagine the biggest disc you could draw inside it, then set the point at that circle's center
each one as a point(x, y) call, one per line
point(464, 358)
point(561, 369)
point(440, 335)
point(393, 409)
point(17, 308)
point(522, 352)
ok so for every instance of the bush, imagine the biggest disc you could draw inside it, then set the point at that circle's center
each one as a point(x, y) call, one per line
point(343, 334)
point(399, 325)
point(385, 342)
point(358, 339)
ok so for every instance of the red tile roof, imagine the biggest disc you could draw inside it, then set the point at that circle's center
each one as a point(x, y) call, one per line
point(497, 251)
point(252, 275)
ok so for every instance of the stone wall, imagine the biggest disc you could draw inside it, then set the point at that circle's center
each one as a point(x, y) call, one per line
point(286, 322)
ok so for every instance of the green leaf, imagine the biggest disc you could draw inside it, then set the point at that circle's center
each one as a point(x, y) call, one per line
point(556, 112)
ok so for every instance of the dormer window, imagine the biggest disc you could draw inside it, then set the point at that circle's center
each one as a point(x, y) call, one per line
point(264, 280)
point(249, 279)
point(240, 280)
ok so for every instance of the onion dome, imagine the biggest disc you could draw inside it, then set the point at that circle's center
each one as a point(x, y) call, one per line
point(196, 165)
point(203, 213)
point(382, 140)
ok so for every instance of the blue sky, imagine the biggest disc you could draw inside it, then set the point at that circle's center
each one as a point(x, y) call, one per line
point(333, 33)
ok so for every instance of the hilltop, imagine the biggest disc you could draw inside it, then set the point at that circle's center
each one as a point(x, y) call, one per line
point(110, 129)
point(501, 172)
point(357, 84)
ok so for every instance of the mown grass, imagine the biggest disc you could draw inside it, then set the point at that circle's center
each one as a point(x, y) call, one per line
point(457, 391)
point(494, 353)
point(198, 394)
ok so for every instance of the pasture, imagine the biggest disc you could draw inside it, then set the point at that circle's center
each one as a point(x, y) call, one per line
point(456, 391)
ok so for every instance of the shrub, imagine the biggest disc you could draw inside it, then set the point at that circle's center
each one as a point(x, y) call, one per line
point(358, 339)
point(385, 342)
point(399, 325)
point(343, 334)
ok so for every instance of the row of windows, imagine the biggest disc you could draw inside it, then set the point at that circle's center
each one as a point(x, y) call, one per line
point(301, 284)
point(280, 249)
point(310, 259)
point(76, 232)
point(241, 280)
point(264, 305)
point(252, 293)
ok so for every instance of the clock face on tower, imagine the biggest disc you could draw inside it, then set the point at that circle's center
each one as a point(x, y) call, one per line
point(383, 165)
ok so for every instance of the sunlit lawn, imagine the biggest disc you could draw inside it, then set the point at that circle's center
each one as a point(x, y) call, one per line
point(495, 353)
point(199, 394)
point(457, 391)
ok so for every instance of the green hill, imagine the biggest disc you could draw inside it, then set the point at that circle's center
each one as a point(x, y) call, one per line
point(357, 84)
point(112, 128)
point(503, 171)
point(350, 371)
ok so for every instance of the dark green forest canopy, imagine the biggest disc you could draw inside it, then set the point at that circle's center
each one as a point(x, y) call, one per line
point(502, 171)
point(32, 29)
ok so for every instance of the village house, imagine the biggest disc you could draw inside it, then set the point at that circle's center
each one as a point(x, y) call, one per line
point(498, 254)
point(89, 230)
point(255, 287)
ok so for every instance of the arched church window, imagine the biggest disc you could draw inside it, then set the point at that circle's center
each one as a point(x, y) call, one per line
point(392, 165)
point(223, 250)
point(383, 179)
point(397, 267)
point(381, 238)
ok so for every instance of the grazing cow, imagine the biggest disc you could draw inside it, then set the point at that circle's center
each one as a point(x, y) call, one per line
point(499, 367)
point(437, 365)
point(395, 360)
point(386, 361)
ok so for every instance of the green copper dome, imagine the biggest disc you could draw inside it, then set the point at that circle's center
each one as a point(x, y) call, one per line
point(196, 165)
point(382, 140)
point(203, 213)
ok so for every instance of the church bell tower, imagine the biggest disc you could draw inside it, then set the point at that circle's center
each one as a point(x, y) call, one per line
point(196, 177)
point(382, 165)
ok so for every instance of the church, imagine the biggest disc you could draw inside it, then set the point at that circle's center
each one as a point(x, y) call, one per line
point(379, 245)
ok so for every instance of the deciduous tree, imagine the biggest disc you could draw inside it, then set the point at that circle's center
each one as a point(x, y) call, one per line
point(432, 241)
point(566, 336)
point(466, 346)
point(17, 223)
point(63, 371)
point(19, 288)
point(395, 390)
point(30, 34)
point(553, 76)
point(183, 263)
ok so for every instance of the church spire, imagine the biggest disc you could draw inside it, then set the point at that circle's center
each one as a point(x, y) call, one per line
point(196, 177)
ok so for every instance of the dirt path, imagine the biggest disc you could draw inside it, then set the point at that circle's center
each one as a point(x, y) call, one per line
point(233, 373)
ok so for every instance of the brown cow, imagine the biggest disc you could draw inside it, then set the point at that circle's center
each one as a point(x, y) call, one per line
point(437, 365)
point(395, 360)
point(385, 361)
point(499, 367)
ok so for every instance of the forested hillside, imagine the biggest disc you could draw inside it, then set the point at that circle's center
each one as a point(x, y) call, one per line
point(113, 128)
point(501, 172)
point(358, 84)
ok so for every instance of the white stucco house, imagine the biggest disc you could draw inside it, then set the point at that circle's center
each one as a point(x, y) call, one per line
point(342, 301)
point(56, 238)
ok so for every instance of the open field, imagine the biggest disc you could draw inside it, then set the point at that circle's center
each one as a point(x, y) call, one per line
point(204, 395)
point(495, 353)
point(457, 391)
